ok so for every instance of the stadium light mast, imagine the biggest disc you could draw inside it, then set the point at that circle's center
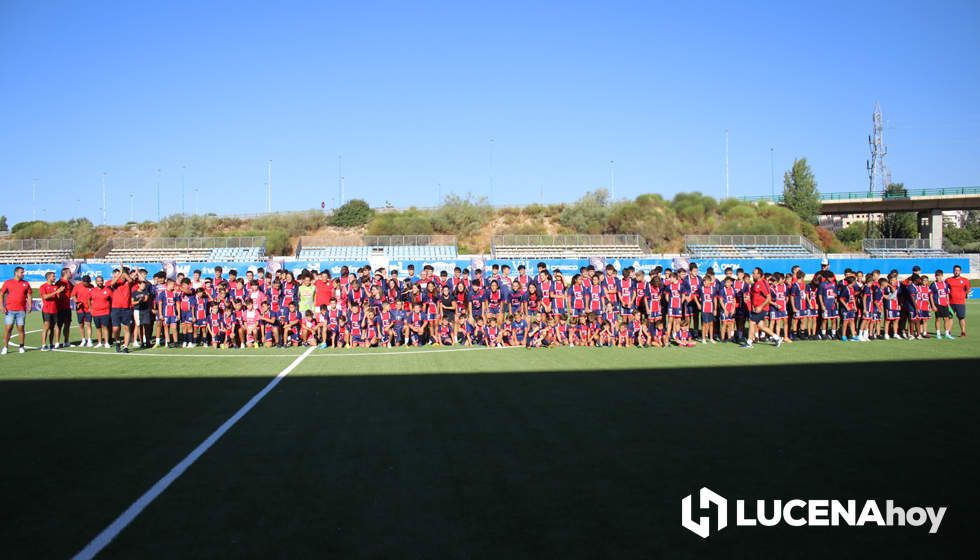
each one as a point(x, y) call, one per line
point(182, 168)
point(491, 171)
point(772, 174)
point(104, 199)
point(612, 180)
point(340, 181)
point(728, 190)
point(268, 192)
point(34, 199)
point(158, 193)
point(131, 214)
point(195, 201)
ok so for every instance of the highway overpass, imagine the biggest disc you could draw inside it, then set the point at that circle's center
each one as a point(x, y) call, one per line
point(928, 203)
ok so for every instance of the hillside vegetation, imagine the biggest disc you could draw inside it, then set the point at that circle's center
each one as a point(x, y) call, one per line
point(662, 222)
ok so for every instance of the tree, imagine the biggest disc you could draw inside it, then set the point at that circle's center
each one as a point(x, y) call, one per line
point(898, 225)
point(588, 214)
point(3, 223)
point(461, 216)
point(853, 235)
point(800, 192)
point(353, 213)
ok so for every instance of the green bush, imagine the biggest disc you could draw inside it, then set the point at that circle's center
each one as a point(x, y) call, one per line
point(408, 222)
point(461, 216)
point(353, 213)
point(588, 214)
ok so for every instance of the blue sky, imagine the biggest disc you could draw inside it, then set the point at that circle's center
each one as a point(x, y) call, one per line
point(411, 94)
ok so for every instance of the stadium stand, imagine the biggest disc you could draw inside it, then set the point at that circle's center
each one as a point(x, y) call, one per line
point(567, 246)
point(750, 246)
point(408, 247)
point(191, 249)
point(899, 248)
point(26, 251)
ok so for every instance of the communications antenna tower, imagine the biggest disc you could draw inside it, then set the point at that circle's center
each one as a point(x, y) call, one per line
point(878, 175)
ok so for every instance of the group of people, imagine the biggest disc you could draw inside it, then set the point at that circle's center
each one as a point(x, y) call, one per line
point(382, 308)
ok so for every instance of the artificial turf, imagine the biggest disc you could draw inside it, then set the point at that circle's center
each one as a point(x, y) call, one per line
point(525, 453)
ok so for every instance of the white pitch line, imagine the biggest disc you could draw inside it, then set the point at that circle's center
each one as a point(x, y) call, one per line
point(12, 342)
point(112, 531)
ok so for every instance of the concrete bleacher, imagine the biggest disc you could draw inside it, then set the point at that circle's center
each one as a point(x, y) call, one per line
point(407, 247)
point(407, 252)
point(567, 246)
point(193, 249)
point(236, 254)
point(28, 251)
point(902, 248)
point(750, 246)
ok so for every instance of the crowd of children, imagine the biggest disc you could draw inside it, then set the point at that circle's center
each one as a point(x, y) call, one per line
point(605, 307)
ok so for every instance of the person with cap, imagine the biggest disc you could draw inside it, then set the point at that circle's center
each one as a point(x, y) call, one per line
point(825, 270)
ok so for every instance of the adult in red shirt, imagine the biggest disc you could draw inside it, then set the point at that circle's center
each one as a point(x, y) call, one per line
point(49, 311)
point(101, 297)
point(15, 304)
point(122, 307)
point(63, 331)
point(324, 289)
point(82, 295)
point(959, 290)
point(760, 297)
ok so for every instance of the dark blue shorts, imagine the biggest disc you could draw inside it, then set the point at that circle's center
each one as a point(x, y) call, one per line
point(122, 316)
point(959, 309)
point(101, 321)
point(83, 316)
point(757, 317)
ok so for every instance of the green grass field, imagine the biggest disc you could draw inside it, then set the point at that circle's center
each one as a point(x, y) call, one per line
point(572, 452)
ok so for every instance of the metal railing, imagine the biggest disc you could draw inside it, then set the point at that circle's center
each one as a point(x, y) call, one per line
point(180, 243)
point(749, 240)
point(570, 240)
point(896, 244)
point(37, 244)
point(863, 195)
point(376, 241)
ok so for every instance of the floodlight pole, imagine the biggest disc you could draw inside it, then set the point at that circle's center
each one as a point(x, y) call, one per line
point(772, 175)
point(728, 191)
point(182, 168)
point(491, 171)
point(158, 194)
point(268, 194)
point(103, 199)
point(612, 180)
